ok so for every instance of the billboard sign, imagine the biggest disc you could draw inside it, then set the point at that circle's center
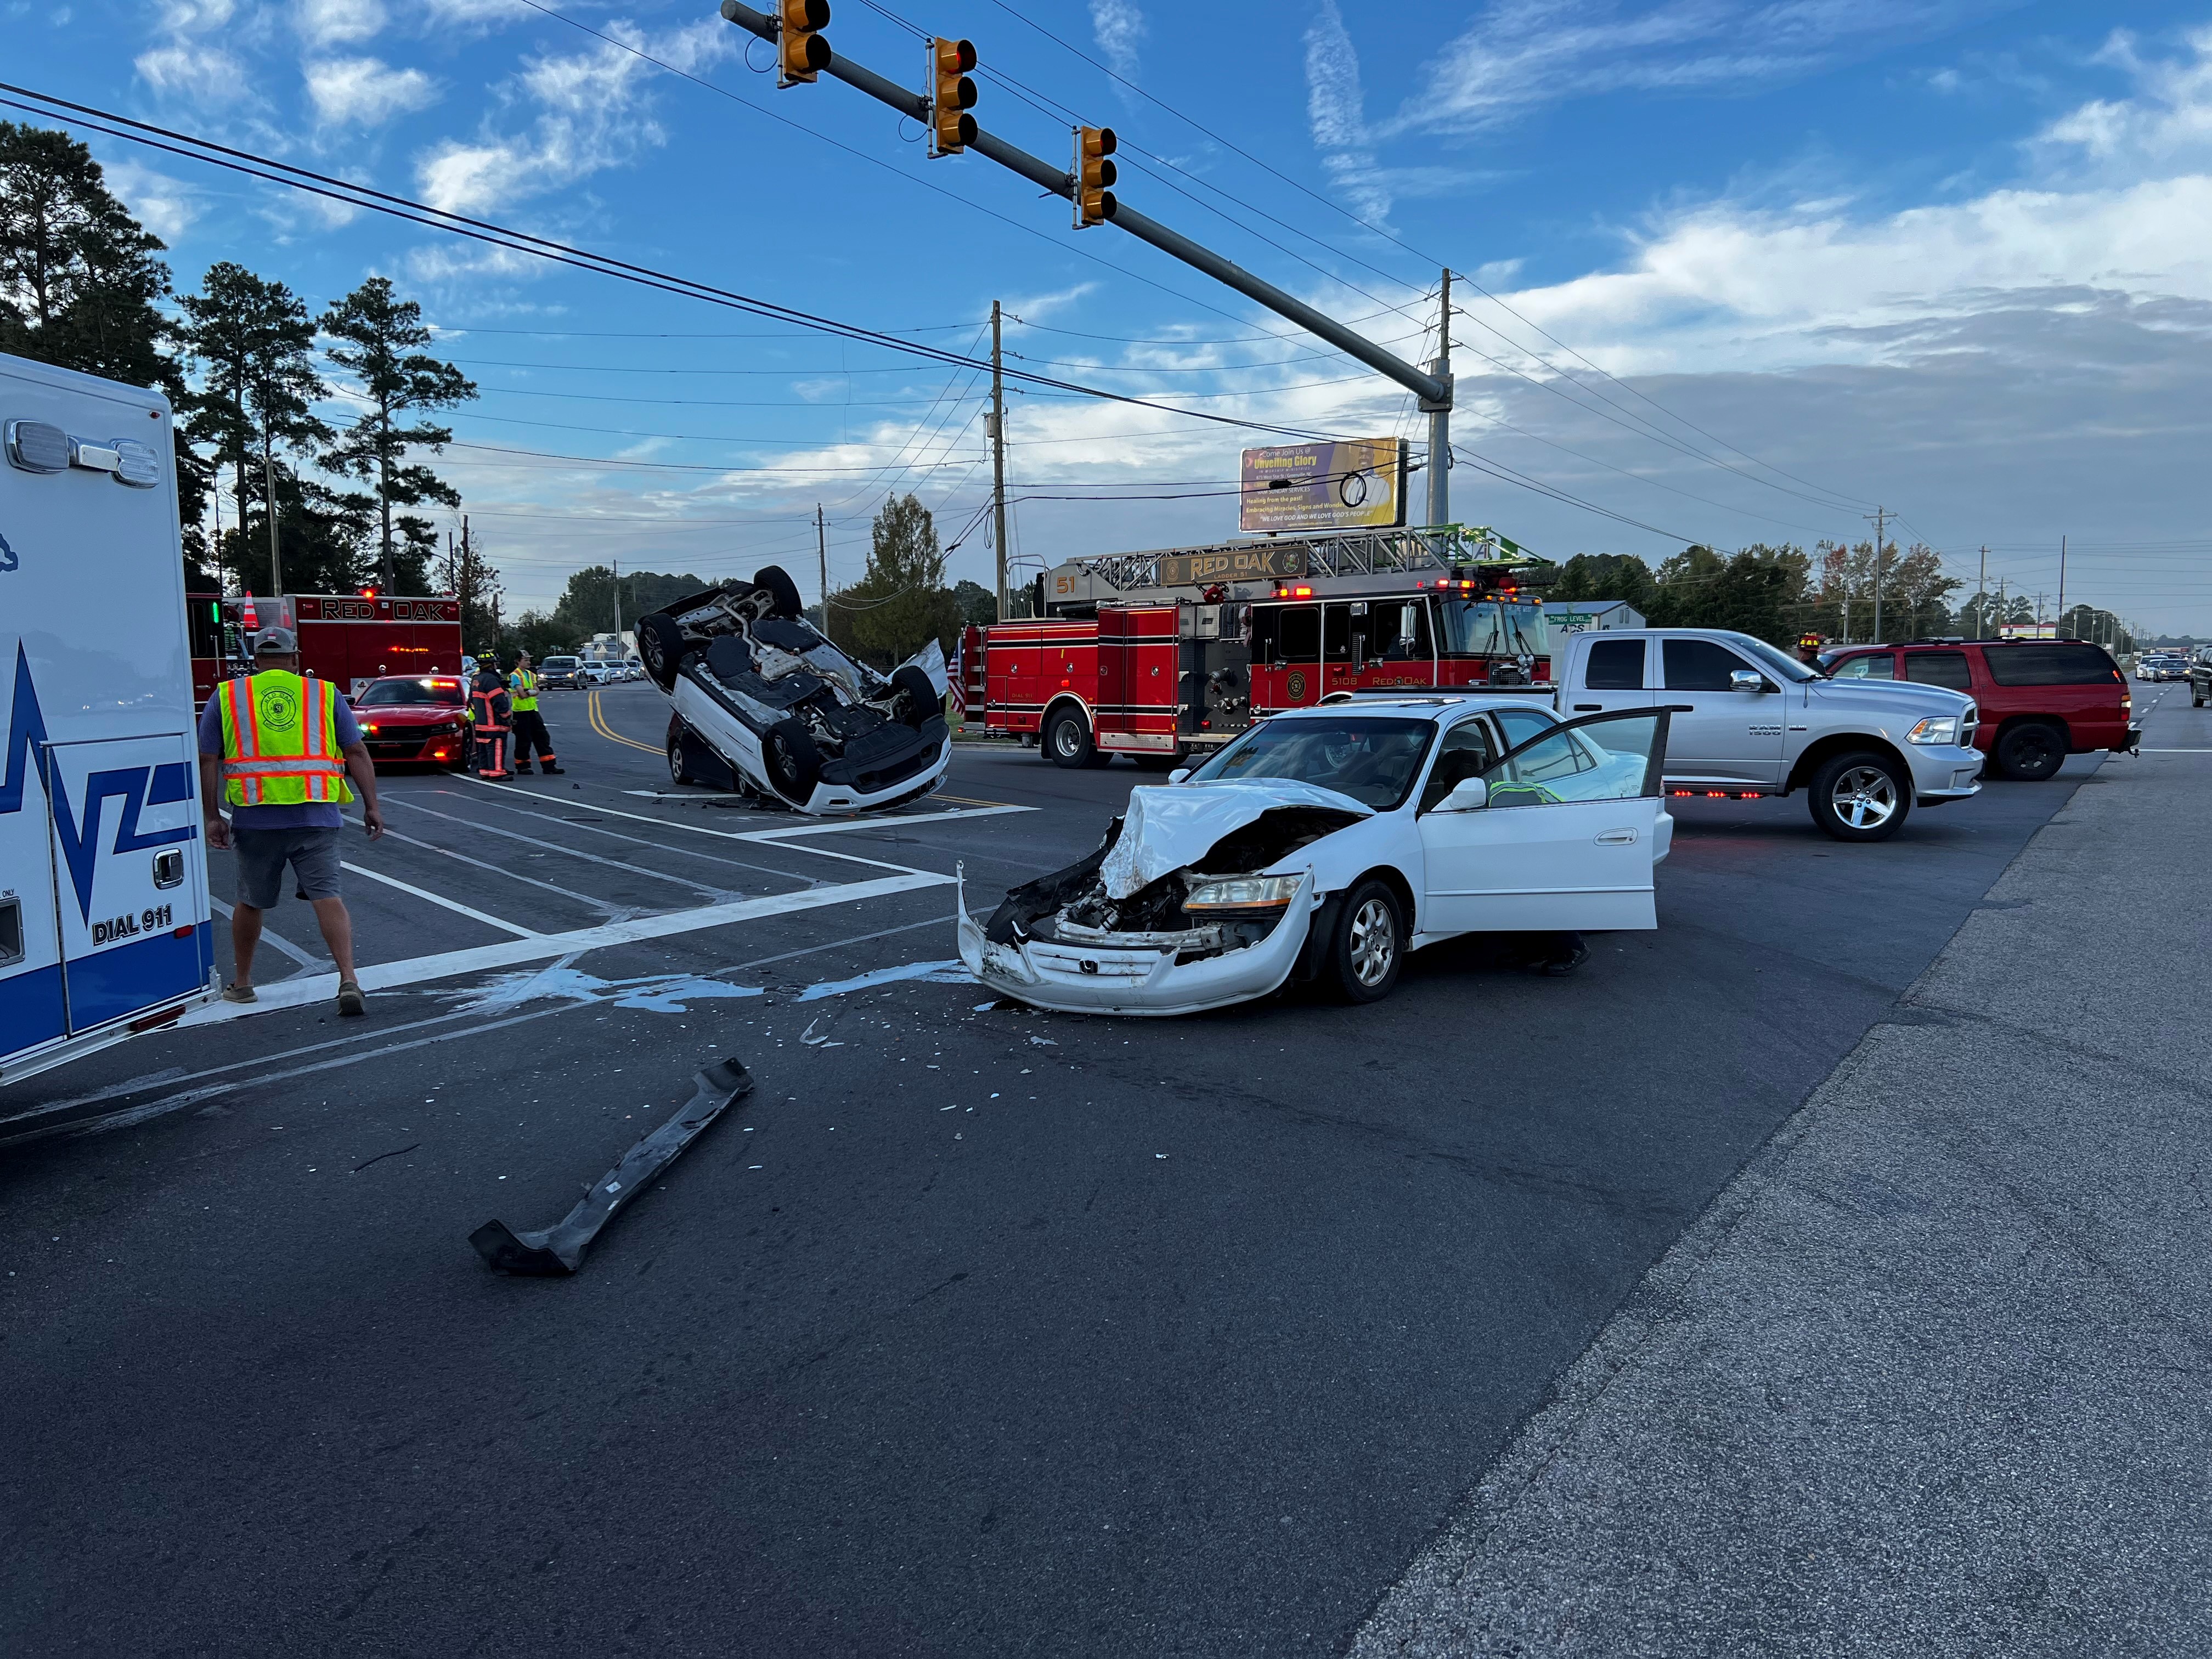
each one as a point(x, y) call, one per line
point(1357, 483)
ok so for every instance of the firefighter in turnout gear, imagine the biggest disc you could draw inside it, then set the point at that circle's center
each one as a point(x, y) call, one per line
point(492, 716)
point(529, 725)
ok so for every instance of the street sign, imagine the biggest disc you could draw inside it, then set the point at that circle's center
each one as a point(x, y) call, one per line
point(1358, 483)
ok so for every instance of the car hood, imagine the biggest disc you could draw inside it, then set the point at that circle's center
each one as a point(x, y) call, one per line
point(1166, 829)
point(1898, 695)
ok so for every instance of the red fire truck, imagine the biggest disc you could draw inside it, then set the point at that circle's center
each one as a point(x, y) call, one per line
point(346, 639)
point(1158, 655)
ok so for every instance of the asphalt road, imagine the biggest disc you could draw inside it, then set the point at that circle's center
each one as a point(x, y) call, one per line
point(974, 1331)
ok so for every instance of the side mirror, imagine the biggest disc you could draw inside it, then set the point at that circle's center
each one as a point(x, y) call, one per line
point(1179, 775)
point(1468, 795)
point(1745, 679)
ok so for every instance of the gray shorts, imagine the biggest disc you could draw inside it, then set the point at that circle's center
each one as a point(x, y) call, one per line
point(263, 854)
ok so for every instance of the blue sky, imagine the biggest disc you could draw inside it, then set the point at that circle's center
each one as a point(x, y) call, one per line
point(1949, 257)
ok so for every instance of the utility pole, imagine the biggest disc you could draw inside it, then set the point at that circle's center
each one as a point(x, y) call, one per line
point(1440, 458)
point(1982, 595)
point(822, 553)
point(615, 565)
point(2061, 582)
point(268, 484)
point(1881, 517)
point(999, 460)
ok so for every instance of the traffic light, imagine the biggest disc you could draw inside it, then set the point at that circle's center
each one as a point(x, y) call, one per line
point(801, 54)
point(1094, 201)
point(951, 95)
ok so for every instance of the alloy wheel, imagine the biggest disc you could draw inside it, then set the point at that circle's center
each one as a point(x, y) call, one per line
point(1865, 797)
point(1374, 942)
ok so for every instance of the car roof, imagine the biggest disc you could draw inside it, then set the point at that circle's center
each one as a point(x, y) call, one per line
point(1437, 705)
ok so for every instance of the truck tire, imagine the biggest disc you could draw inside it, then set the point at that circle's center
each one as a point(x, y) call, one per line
point(1860, 796)
point(1067, 740)
point(660, 648)
point(781, 589)
point(922, 702)
point(2032, 751)
point(793, 764)
point(1368, 946)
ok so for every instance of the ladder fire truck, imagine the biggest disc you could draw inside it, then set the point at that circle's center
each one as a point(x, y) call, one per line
point(1159, 655)
point(348, 639)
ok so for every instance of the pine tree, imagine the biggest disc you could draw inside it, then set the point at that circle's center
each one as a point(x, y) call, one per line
point(378, 338)
point(254, 342)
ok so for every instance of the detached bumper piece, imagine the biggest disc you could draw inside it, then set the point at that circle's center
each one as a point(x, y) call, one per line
point(553, 1251)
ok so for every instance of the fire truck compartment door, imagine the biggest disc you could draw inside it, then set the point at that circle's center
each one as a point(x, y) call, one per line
point(130, 874)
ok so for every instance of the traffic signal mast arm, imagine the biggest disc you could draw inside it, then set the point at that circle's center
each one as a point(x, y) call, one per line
point(1434, 391)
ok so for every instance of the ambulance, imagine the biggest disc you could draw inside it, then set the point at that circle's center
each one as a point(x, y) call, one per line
point(105, 922)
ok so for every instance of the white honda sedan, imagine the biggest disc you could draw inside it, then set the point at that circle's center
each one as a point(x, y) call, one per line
point(1328, 842)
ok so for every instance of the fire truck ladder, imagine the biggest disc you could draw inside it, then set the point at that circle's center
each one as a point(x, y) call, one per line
point(1364, 553)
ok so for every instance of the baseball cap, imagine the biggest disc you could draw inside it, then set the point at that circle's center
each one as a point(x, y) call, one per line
point(282, 640)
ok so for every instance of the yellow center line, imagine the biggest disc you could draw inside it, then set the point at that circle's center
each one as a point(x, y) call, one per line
point(599, 725)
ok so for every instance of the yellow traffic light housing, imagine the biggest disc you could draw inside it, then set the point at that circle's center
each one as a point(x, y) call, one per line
point(1094, 201)
point(951, 95)
point(801, 54)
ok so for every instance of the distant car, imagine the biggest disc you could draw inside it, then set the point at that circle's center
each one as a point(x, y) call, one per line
point(561, 674)
point(417, 718)
point(2039, 700)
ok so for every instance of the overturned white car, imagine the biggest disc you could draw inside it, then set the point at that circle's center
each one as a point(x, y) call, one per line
point(760, 694)
point(1326, 843)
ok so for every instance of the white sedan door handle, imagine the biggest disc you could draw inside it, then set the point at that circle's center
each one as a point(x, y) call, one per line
point(1617, 838)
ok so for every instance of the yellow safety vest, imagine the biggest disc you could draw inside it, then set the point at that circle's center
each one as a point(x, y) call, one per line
point(523, 686)
point(280, 741)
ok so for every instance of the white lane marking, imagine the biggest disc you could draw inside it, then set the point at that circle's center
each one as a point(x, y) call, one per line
point(274, 940)
point(831, 829)
point(541, 844)
point(610, 910)
point(657, 846)
point(140, 1084)
point(2147, 750)
point(442, 903)
point(413, 971)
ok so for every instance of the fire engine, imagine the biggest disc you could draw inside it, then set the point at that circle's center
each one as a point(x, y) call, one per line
point(348, 639)
point(1159, 655)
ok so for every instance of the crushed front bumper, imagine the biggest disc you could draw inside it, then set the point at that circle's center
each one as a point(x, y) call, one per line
point(1089, 979)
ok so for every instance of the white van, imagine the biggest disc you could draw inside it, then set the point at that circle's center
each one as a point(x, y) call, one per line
point(105, 923)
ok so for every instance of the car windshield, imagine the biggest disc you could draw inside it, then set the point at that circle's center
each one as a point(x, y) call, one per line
point(385, 694)
point(562, 665)
point(1777, 662)
point(1372, 759)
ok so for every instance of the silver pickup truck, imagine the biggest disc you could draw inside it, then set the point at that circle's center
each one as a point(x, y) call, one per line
point(1752, 720)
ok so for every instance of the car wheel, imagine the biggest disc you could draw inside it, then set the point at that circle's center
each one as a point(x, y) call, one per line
point(2032, 752)
point(679, 770)
point(1067, 740)
point(795, 764)
point(1369, 945)
point(781, 589)
point(922, 702)
point(1860, 797)
point(660, 647)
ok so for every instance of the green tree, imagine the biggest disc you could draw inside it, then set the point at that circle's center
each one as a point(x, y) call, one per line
point(901, 602)
point(79, 279)
point(588, 607)
point(978, 604)
point(253, 342)
point(1620, 576)
point(466, 574)
point(378, 339)
point(1760, 590)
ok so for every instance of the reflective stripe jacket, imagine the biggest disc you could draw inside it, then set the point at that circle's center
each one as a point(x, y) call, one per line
point(280, 741)
point(490, 705)
point(523, 684)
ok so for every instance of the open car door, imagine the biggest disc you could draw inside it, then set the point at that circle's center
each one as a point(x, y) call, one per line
point(1559, 834)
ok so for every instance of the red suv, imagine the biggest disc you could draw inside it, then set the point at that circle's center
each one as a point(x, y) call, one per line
point(2040, 700)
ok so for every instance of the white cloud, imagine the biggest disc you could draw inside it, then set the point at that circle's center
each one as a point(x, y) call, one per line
point(340, 22)
point(1336, 113)
point(164, 205)
point(591, 116)
point(363, 92)
point(1520, 54)
point(1119, 28)
point(206, 74)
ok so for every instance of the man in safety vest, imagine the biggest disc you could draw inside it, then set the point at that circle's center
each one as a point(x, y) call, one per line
point(529, 725)
point(491, 718)
point(278, 748)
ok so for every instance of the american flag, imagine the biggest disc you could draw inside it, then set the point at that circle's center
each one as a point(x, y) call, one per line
point(959, 681)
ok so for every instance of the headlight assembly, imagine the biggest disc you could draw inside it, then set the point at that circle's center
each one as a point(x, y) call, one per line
point(1244, 893)
point(1935, 729)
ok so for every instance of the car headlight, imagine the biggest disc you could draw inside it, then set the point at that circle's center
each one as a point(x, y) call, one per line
point(1936, 728)
point(1244, 893)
